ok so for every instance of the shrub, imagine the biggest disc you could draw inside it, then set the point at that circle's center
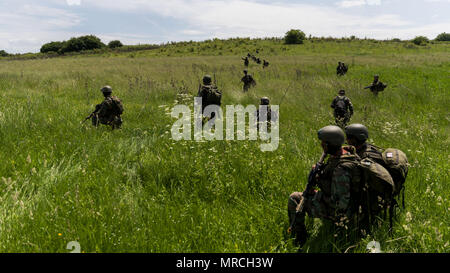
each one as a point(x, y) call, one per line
point(52, 47)
point(3, 53)
point(443, 37)
point(420, 40)
point(115, 44)
point(294, 36)
point(87, 42)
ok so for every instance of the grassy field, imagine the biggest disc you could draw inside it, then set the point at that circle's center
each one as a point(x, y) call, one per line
point(136, 190)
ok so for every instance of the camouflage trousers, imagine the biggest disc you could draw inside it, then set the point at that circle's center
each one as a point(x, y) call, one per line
point(114, 121)
point(341, 119)
point(315, 206)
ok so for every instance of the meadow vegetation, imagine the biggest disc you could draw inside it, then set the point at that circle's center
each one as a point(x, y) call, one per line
point(136, 190)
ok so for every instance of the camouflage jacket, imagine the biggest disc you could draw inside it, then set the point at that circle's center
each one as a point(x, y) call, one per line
point(204, 93)
point(373, 152)
point(377, 86)
point(338, 182)
point(248, 79)
point(271, 116)
point(348, 105)
point(107, 108)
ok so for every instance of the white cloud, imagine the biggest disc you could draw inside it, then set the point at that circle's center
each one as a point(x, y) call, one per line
point(358, 3)
point(73, 2)
point(30, 26)
point(203, 19)
point(224, 19)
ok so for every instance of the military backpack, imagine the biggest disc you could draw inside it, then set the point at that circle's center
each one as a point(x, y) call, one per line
point(341, 105)
point(396, 163)
point(117, 106)
point(214, 96)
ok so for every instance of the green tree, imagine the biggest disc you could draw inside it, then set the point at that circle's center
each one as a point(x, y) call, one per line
point(115, 44)
point(3, 53)
point(294, 36)
point(443, 37)
point(420, 40)
point(52, 47)
point(87, 42)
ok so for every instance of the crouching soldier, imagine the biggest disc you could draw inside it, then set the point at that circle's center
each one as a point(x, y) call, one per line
point(109, 111)
point(335, 197)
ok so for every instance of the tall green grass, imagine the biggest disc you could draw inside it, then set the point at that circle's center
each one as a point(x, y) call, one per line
point(136, 190)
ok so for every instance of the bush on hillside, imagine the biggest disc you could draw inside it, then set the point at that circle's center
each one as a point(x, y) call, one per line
point(294, 36)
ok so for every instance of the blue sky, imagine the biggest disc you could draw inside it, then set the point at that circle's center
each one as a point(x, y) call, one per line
point(25, 25)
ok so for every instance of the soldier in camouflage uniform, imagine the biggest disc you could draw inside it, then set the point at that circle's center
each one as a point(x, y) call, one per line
point(246, 61)
point(206, 92)
point(336, 182)
point(264, 114)
point(108, 112)
point(376, 86)
point(341, 69)
point(343, 109)
point(248, 81)
point(357, 135)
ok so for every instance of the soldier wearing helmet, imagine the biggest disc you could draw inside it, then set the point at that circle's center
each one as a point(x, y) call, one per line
point(341, 69)
point(109, 111)
point(343, 109)
point(248, 81)
point(210, 95)
point(334, 198)
point(376, 86)
point(357, 135)
point(264, 113)
point(246, 61)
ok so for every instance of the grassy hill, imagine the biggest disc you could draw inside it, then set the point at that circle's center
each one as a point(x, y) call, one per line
point(137, 190)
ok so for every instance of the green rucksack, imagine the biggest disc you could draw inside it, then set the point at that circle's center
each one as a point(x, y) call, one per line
point(377, 178)
point(117, 106)
point(396, 163)
point(214, 96)
point(377, 183)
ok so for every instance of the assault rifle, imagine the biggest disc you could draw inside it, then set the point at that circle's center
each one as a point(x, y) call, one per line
point(97, 108)
point(374, 85)
point(309, 189)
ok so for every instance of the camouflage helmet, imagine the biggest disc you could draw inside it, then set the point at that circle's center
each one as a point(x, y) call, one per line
point(359, 131)
point(376, 76)
point(265, 101)
point(207, 79)
point(332, 134)
point(106, 89)
point(341, 92)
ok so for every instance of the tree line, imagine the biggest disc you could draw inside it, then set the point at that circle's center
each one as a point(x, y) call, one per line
point(77, 44)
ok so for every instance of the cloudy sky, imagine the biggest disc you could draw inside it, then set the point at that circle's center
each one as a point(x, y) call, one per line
point(25, 24)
